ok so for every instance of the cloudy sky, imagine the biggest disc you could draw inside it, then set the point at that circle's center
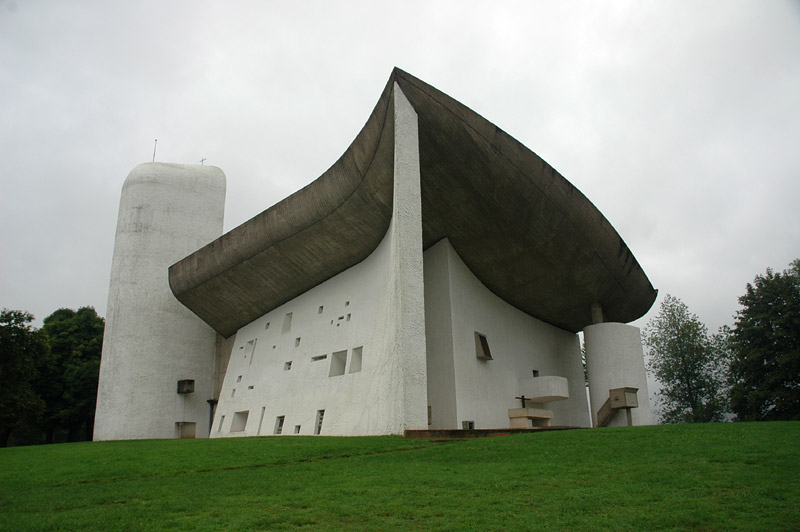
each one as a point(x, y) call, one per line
point(680, 120)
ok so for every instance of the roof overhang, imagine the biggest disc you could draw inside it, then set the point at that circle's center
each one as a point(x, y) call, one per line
point(522, 229)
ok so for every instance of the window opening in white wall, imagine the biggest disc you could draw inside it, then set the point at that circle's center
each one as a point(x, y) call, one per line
point(239, 378)
point(297, 429)
point(319, 310)
point(430, 416)
point(250, 350)
point(355, 360)
point(346, 303)
point(221, 421)
point(233, 392)
point(318, 424)
point(338, 362)
point(536, 373)
point(250, 387)
point(239, 421)
point(318, 358)
point(468, 425)
point(482, 347)
point(297, 342)
point(266, 326)
point(279, 424)
point(287, 365)
point(287, 323)
point(348, 317)
point(261, 420)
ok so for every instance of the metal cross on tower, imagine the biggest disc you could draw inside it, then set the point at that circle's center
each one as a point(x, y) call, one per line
point(202, 161)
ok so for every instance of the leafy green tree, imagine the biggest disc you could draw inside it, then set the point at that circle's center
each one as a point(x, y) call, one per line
point(686, 361)
point(69, 380)
point(22, 350)
point(765, 345)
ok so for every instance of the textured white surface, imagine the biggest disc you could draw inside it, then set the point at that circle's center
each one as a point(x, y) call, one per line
point(614, 359)
point(385, 318)
point(463, 388)
point(151, 341)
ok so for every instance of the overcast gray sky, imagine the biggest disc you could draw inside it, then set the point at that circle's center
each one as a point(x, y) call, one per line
point(680, 120)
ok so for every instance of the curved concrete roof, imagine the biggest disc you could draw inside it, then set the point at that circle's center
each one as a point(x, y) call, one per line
point(524, 231)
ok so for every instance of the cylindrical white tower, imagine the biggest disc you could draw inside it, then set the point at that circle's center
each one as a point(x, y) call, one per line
point(614, 359)
point(151, 342)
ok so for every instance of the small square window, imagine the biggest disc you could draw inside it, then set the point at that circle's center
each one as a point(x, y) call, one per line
point(287, 365)
point(468, 425)
point(536, 373)
point(319, 310)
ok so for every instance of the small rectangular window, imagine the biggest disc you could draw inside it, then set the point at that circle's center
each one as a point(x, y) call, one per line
point(468, 425)
point(346, 303)
point(239, 421)
point(287, 365)
point(239, 378)
point(536, 373)
point(266, 326)
point(318, 424)
point(297, 429)
point(430, 416)
point(355, 360)
point(348, 317)
point(319, 310)
point(338, 362)
point(279, 424)
point(297, 342)
point(233, 392)
point(482, 347)
point(287, 323)
point(318, 358)
point(221, 421)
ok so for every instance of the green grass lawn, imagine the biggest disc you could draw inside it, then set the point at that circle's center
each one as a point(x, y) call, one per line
point(743, 476)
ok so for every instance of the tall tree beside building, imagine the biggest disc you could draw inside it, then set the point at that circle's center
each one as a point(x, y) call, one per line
point(69, 381)
point(765, 343)
point(685, 360)
point(22, 351)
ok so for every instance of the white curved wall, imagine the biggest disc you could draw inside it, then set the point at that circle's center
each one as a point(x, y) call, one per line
point(368, 323)
point(463, 388)
point(151, 341)
point(614, 359)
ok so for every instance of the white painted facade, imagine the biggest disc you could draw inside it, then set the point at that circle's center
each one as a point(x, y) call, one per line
point(402, 340)
point(463, 388)
point(151, 341)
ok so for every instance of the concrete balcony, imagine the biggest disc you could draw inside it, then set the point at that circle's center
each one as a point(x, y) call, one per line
point(544, 389)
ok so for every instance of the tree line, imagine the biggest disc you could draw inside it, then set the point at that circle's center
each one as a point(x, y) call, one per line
point(48, 376)
point(748, 372)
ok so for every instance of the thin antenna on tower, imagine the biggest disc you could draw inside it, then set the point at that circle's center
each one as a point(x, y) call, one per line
point(154, 150)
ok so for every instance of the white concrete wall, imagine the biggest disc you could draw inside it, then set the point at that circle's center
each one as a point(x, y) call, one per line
point(614, 359)
point(484, 390)
point(375, 307)
point(151, 341)
point(358, 403)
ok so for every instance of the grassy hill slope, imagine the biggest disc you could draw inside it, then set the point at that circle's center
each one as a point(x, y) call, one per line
point(743, 476)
